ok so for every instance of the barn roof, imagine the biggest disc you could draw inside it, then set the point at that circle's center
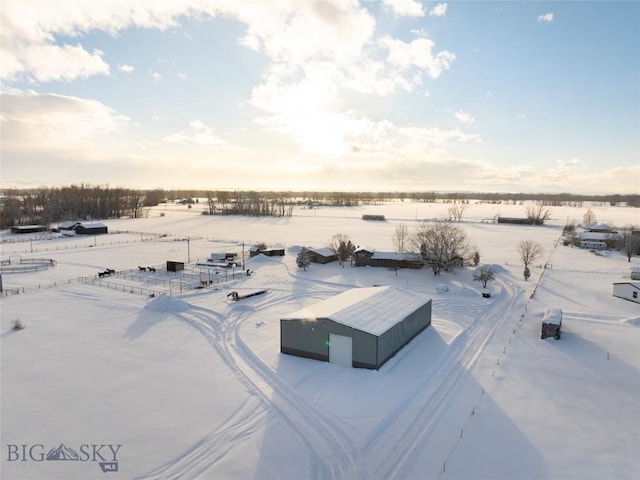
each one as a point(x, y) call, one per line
point(396, 256)
point(370, 309)
point(93, 225)
point(323, 251)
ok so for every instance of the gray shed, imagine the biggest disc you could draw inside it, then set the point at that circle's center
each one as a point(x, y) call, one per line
point(362, 327)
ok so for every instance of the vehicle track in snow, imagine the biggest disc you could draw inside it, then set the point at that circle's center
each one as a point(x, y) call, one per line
point(332, 453)
point(336, 450)
point(409, 425)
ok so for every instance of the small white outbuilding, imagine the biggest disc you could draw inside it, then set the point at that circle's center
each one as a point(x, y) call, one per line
point(627, 290)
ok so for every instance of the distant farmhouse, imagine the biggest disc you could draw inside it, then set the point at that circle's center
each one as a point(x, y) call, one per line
point(370, 257)
point(322, 255)
point(599, 237)
point(28, 229)
point(520, 220)
point(81, 228)
point(627, 290)
point(635, 273)
point(378, 218)
point(91, 229)
point(362, 327)
point(269, 252)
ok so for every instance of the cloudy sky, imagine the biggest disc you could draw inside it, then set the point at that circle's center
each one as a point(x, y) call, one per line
point(393, 95)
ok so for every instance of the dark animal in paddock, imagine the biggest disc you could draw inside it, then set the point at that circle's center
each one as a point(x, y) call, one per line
point(151, 269)
point(106, 273)
point(110, 271)
point(142, 269)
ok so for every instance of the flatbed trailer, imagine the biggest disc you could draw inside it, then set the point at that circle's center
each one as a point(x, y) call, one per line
point(235, 296)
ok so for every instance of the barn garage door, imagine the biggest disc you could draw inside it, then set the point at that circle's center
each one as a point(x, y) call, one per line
point(340, 349)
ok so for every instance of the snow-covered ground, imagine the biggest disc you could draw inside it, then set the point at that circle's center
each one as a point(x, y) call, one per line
point(192, 385)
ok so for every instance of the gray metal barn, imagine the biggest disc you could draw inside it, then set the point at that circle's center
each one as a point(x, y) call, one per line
point(362, 327)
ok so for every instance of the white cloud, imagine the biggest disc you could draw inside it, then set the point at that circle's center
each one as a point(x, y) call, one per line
point(417, 53)
point(182, 76)
point(440, 10)
point(29, 29)
point(156, 76)
point(32, 121)
point(125, 68)
point(405, 8)
point(547, 17)
point(464, 117)
point(45, 62)
point(197, 134)
point(564, 168)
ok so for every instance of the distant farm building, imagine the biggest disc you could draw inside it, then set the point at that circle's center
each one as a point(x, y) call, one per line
point(68, 225)
point(174, 266)
point(322, 255)
point(91, 229)
point(28, 229)
point(520, 221)
point(610, 239)
point(269, 252)
point(593, 245)
point(635, 273)
point(627, 290)
point(370, 257)
point(378, 218)
point(362, 327)
point(598, 227)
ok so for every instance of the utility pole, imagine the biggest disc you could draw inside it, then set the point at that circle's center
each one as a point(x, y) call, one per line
point(188, 251)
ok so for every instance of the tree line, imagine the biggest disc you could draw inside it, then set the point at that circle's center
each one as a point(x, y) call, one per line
point(45, 205)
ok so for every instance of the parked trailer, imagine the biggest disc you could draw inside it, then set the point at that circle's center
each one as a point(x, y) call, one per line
point(551, 323)
point(235, 296)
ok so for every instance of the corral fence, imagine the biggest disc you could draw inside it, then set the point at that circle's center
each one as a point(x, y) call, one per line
point(17, 264)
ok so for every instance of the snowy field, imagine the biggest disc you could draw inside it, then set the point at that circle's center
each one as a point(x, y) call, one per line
point(188, 384)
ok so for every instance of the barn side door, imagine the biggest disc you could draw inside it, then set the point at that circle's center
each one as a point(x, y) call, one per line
point(340, 350)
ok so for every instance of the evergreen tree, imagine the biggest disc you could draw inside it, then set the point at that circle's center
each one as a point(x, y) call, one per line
point(303, 260)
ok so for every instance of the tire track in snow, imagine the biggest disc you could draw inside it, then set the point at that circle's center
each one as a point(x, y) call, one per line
point(333, 453)
point(409, 425)
point(212, 448)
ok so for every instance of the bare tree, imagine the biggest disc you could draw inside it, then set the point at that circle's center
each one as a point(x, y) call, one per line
point(342, 246)
point(537, 213)
point(484, 274)
point(630, 242)
point(529, 250)
point(457, 211)
point(442, 244)
point(401, 237)
point(589, 217)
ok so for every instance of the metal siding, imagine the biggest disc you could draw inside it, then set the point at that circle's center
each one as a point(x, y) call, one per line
point(391, 341)
point(309, 338)
point(298, 336)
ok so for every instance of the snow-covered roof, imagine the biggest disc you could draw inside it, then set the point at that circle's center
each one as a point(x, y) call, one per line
point(553, 316)
point(370, 309)
point(93, 225)
point(324, 251)
point(68, 224)
point(597, 226)
point(396, 256)
point(599, 236)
